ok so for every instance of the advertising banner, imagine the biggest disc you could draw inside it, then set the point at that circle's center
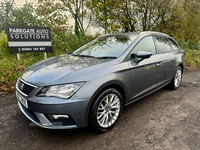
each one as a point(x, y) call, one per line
point(28, 39)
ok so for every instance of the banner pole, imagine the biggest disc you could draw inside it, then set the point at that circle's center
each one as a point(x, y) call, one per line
point(45, 55)
point(18, 56)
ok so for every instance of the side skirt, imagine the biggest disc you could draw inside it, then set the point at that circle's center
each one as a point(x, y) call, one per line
point(160, 87)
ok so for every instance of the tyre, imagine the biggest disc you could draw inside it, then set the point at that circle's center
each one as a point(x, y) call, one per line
point(176, 82)
point(106, 110)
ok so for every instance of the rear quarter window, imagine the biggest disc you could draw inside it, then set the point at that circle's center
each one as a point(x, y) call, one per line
point(173, 44)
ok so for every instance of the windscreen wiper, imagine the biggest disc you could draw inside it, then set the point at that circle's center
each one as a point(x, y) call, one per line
point(101, 57)
point(83, 55)
point(106, 57)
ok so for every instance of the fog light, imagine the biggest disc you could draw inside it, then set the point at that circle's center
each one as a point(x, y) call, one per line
point(60, 120)
point(60, 116)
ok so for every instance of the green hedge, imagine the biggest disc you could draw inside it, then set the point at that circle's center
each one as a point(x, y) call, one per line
point(192, 59)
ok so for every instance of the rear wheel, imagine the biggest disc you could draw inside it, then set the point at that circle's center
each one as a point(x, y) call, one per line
point(106, 110)
point(176, 82)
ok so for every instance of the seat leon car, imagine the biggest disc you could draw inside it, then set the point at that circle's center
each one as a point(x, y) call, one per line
point(91, 85)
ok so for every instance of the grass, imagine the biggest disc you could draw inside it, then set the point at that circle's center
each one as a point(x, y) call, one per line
point(11, 68)
point(192, 59)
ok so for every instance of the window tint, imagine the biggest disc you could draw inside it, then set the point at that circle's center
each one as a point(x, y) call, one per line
point(163, 44)
point(174, 45)
point(146, 44)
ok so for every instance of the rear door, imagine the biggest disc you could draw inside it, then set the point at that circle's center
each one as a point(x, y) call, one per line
point(145, 76)
point(168, 58)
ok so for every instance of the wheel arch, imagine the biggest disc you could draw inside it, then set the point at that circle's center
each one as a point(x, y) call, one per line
point(111, 84)
point(182, 66)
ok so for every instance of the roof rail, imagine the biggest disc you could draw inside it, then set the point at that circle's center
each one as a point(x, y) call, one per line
point(143, 32)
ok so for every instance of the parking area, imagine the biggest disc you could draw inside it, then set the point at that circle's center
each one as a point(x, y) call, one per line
point(166, 119)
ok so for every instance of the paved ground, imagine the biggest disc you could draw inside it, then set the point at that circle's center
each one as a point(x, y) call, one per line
point(164, 120)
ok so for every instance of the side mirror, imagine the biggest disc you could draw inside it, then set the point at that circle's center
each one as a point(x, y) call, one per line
point(143, 54)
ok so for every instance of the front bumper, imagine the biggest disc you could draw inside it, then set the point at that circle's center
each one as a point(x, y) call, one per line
point(41, 109)
point(35, 120)
point(38, 112)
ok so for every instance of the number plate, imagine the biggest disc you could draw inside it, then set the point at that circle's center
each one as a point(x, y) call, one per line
point(22, 100)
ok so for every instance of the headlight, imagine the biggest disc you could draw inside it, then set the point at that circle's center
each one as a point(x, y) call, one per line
point(61, 91)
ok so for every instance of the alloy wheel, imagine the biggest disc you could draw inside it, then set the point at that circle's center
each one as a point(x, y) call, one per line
point(108, 110)
point(178, 77)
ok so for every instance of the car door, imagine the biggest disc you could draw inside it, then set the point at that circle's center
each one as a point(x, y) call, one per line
point(145, 76)
point(168, 58)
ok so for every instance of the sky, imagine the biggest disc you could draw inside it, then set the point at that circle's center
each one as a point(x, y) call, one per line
point(21, 2)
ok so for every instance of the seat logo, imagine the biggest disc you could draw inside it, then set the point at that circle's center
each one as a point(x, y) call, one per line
point(22, 86)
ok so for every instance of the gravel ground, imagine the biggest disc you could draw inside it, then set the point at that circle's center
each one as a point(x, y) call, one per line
point(166, 119)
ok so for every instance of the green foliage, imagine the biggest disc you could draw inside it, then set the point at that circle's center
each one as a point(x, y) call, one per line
point(23, 16)
point(52, 15)
point(55, 14)
point(183, 23)
point(183, 43)
point(6, 8)
point(131, 15)
point(77, 11)
point(3, 42)
point(192, 59)
point(11, 68)
point(186, 44)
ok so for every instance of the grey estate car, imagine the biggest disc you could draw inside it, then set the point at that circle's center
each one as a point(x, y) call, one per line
point(92, 84)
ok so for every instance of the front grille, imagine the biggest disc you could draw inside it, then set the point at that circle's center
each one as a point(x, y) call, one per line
point(25, 88)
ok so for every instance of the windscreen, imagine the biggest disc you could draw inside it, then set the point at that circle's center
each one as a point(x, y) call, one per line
point(106, 46)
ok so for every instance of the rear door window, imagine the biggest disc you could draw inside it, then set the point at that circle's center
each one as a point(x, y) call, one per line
point(163, 44)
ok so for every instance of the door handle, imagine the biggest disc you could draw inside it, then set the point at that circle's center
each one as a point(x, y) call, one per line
point(158, 64)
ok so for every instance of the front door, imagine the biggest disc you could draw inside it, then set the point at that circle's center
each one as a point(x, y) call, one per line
point(146, 75)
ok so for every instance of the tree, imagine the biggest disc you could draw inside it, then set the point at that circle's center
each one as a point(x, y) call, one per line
point(24, 16)
point(130, 15)
point(10, 15)
point(100, 9)
point(78, 13)
point(152, 12)
point(72, 8)
point(183, 22)
point(52, 15)
point(6, 8)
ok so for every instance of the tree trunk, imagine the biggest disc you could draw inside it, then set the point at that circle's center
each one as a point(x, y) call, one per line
point(76, 20)
point(105, 16)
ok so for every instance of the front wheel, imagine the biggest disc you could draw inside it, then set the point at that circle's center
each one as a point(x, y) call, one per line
point(176, 82)
point(106, 110)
